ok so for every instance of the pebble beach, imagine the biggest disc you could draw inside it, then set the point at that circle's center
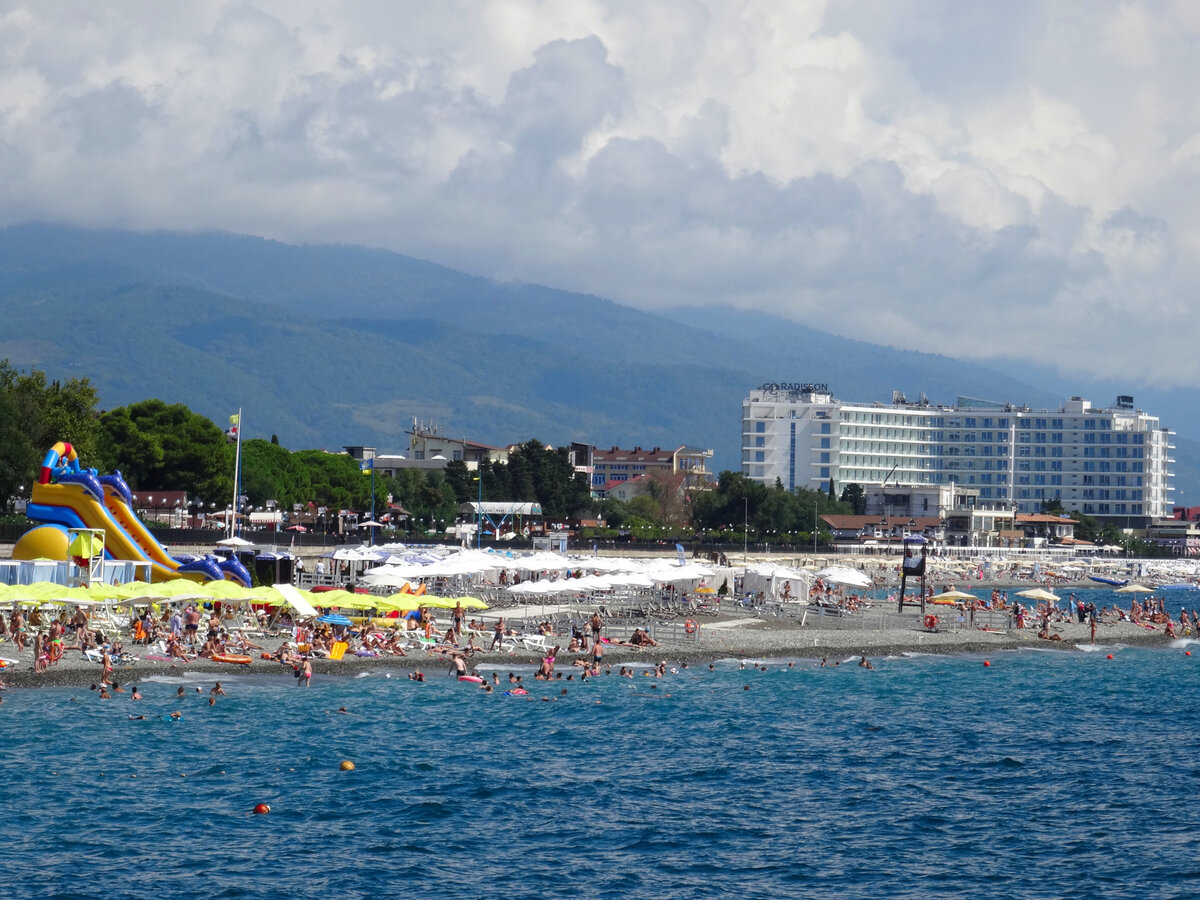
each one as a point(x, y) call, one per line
point(722, 637)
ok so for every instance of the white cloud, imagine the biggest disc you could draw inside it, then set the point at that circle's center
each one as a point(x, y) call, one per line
point(1014, 179)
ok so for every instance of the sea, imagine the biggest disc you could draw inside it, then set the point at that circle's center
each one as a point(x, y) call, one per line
point(1049, 773)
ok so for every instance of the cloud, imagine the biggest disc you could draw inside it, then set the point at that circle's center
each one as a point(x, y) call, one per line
point(1017, 180)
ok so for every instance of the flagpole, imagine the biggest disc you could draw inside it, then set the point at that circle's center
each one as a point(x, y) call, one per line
point(237, 475)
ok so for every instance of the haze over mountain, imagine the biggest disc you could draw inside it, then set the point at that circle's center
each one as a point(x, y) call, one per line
point(332, 345)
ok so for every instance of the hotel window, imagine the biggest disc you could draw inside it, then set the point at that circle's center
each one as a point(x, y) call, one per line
point(760, 427)
point(759, 456)
point(760, 442)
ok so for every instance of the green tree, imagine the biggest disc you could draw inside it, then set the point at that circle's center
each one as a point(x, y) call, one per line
point(34, 415)
point(855, 497)
point(161, 447)
point(270, 472)
point(334, 479)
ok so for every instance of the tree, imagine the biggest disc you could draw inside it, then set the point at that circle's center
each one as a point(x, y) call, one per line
point(162, 448)
point(854, 496)
point(34, 415)
point(334, 479)
point(269, 472)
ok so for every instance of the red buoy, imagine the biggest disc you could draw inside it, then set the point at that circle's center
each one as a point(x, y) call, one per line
point(262, 809)
point(987, 662)
point(1110, 656)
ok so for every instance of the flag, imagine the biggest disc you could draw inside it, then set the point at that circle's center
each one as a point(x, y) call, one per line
point(367, 466)
point(235, 419)
point(231, 433)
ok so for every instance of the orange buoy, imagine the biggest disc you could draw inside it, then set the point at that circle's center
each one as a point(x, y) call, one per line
point(1110, 656)
point(347, 766)
point(987, 662)
point(261, 809)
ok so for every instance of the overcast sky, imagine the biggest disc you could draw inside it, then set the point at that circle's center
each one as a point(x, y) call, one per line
point(973, 178)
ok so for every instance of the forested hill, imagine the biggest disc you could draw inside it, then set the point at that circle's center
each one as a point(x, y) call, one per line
point(333, 345)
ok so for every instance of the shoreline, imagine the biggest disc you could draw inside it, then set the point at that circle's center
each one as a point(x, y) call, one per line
point(750, 644)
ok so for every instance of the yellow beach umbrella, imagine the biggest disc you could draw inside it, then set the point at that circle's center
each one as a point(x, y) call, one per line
point(1037, 594)
point(1134, 589)
point(951, 597)
point(401, 601)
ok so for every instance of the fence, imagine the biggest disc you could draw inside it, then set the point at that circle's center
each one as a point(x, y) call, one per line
point(676, 633)
point(948, 619)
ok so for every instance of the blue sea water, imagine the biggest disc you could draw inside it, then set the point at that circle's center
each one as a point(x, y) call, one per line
point(1045, 774)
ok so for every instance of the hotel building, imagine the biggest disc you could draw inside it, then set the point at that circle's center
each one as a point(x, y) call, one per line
point(1111, 462)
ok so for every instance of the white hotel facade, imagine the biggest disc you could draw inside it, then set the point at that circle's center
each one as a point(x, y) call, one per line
point(1112, 462)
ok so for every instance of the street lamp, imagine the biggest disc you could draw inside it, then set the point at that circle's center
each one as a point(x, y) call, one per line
point(745, 526)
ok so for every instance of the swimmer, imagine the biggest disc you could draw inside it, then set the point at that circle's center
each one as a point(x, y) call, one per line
point(864, 663)
point(212, 701)
point(217, 690)
point(136, 694)
point(138, 718)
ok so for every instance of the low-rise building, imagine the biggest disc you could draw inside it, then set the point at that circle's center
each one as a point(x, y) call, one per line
point(616, 465)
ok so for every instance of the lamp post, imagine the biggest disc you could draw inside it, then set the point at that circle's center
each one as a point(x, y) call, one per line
point(814, 526)
point(745, 526)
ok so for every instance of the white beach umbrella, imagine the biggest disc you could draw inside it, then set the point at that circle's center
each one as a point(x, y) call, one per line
point(845, 576)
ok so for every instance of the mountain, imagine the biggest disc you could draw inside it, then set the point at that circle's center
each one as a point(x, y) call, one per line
point(331, 345)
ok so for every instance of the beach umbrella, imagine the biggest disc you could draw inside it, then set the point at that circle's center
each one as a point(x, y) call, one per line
point(844, 576)
point(952, 596)
point(235, 542)
point(1135, 589)
point(1038, 594)
point(334, 619)
point(401, 601)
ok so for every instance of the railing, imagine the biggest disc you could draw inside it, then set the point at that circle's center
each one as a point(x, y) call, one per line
point(676, 632)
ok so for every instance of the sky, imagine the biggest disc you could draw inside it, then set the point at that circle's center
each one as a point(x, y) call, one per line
point(1012, 180)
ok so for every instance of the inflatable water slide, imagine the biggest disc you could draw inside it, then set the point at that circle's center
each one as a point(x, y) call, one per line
point(68, 496)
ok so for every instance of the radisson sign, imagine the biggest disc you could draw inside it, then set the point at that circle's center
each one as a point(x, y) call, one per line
point(802, 387)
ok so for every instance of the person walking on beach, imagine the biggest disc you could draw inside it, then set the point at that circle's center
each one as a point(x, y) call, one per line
point(498, 634)
point(597, 623)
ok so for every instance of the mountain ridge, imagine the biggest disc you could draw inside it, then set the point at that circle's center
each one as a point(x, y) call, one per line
point(326, 345)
